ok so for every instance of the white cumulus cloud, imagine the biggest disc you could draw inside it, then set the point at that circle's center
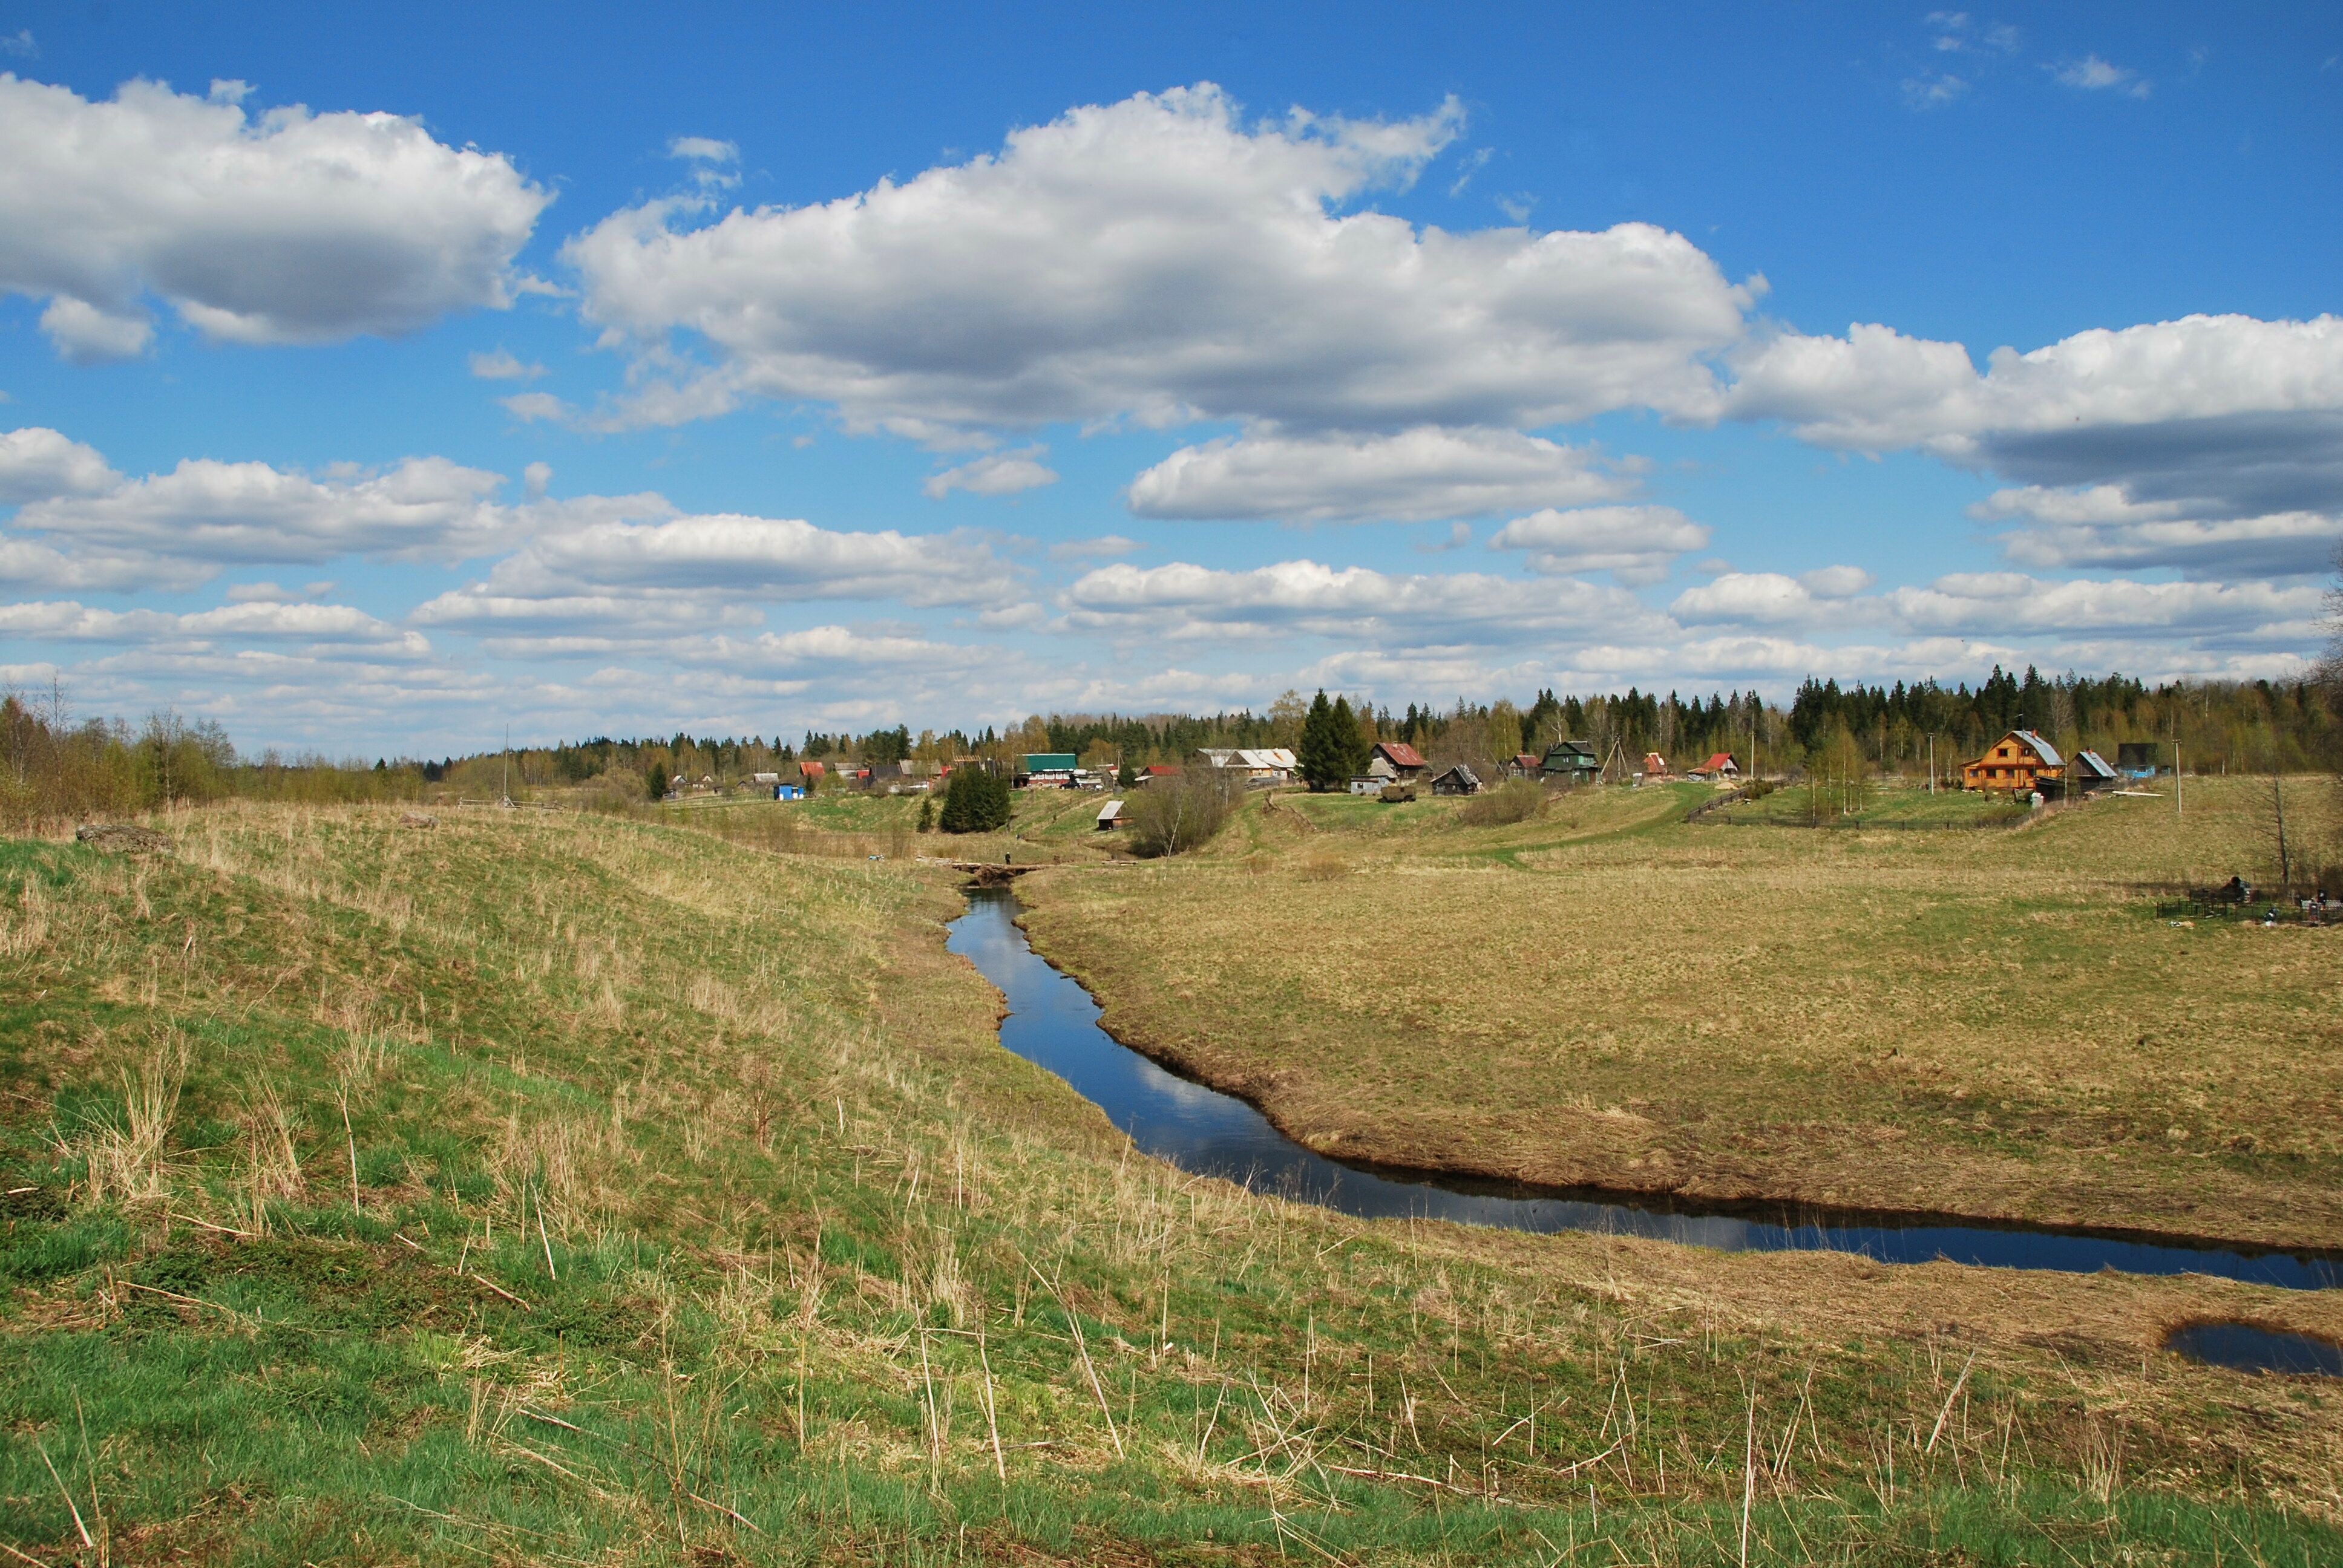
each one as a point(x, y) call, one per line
point(1161, 259)
point(252, 513)
point(37, 464)
point(1358, 605)
point(1413, 476)
point(1634, 544)
point(286, 226)
point(2211, 443)
point(993, 473)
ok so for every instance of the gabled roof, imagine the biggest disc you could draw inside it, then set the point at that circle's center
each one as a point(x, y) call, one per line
point(1266, 757)
point(1158, 770)
point(2095, 765)
point(1400, 754)
point(1572, 748)
point(2041, 748)
point(1721, 759)
point(1461, 771)
point(812, 770)
point(1110, 811)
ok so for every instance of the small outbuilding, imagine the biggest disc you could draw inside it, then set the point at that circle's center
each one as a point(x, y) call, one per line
point(1458, 780)
point(1368, 784)
point(1109, 816)
point(2091, 772)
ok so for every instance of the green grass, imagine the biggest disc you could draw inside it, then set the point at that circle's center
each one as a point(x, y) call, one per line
point(655, 1199)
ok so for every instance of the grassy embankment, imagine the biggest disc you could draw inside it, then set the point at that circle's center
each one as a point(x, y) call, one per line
point(562, 1189)
point(1986, 1022)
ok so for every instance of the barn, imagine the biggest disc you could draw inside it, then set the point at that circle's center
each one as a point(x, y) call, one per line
point(1458, 780)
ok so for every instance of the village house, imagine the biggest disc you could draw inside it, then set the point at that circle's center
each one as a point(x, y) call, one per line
point(1458, 780)
point(1654, 765)
point(1572, 761)
point(2020, 763)
point(1719, 767)
point(1048, 771)
point(1396, 759)
point(1156, 773)
point(1259, 766)
point(1522, 765)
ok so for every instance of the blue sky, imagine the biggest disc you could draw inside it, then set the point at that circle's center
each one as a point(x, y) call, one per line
point(375, 376)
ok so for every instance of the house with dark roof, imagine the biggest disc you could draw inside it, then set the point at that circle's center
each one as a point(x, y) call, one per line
point(2091, 771)
point(1572, 761)
point(2020, 763)
point(1457, 780)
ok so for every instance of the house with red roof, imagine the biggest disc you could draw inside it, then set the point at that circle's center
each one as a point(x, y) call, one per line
point(1396, 759)
point(1719, 765)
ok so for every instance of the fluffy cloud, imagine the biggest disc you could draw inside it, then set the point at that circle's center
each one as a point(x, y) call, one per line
point(1875, 388)
point(994, 473)
point(1633, 544)
point(2213, 443)
point(287, 228)
point(37, 464)
point(614, 582)
point(1773, 598)
point(2008, 604)
point(2093, 75)
point(322, 629)
point(1356, 604)
point(251, 513)
point(503, 366)
point(1162, 260)
point(2100, 526)
point(1414, 475)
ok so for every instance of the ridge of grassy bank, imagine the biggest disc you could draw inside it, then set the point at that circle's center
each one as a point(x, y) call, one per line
point(570, 1190)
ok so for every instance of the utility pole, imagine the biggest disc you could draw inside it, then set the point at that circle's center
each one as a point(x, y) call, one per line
point(2179, 808)
point(2278, 803)
point(1932, 762)
point(505, 790)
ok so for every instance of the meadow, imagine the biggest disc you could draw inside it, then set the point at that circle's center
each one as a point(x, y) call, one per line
point(1930, 1014)
point(560, 1189)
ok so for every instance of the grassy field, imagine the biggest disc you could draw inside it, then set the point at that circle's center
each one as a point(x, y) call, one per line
point(1048, 826)
point(571, 1189)
point(1986, 1022)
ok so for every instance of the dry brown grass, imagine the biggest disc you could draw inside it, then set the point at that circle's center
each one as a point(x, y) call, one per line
point(1989, 1023)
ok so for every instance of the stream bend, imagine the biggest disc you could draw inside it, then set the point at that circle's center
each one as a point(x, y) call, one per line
point(1053, 1022)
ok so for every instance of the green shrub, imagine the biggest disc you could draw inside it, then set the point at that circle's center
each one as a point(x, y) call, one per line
point(1517, 801)
point(1174, 814)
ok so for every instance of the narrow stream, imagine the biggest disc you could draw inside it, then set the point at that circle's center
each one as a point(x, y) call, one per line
point(1053, 1022)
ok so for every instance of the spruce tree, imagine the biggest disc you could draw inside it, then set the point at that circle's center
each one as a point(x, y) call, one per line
point(1324, 754)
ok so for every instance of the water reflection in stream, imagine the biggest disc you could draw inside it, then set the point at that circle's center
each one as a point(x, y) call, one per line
point(1053, 1022)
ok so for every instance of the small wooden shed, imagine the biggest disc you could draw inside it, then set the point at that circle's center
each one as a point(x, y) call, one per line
point(1458, 780)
